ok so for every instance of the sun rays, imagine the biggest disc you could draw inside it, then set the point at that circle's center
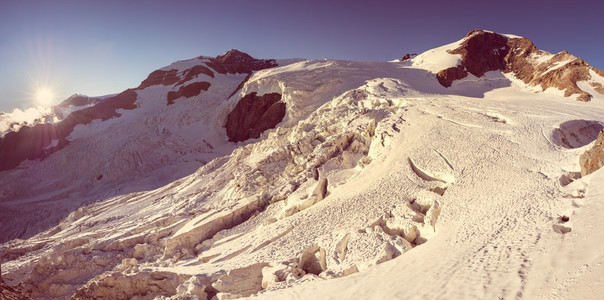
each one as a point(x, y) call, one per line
point(44, 96)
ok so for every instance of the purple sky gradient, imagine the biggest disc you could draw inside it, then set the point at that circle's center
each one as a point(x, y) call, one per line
point(104, 47)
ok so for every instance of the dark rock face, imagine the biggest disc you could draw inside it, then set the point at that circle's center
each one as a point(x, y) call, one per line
point(10, 293)
point(236, 61)
point(188, 91)
point(35, 142)
point(408, 56)
point(447, 76)
point(480, 52)
point(548, 74)
point(41, 140)
point(484, 51)
point(232, 62)
point(593, 159)
point(193, 72)
point(253, 115)
point(160, 77)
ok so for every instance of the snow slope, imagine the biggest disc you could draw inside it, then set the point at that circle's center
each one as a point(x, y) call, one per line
point(378, 183)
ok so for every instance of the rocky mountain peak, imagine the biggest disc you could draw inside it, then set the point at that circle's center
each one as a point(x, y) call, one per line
point(235, 61)
point(234, 56)
point(483, 51)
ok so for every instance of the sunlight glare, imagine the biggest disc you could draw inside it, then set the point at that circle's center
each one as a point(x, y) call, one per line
point(44, 96)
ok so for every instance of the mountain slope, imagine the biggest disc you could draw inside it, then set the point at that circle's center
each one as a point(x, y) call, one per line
point(368, 163)
point(483, 51)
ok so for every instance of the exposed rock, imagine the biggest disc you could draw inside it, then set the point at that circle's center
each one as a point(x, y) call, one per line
point(253, 115)
point(593, 159)
point(484, 51)
point(41, 140)
point(160, 77)
point(11, 293)
point(188, 91)
point(34, 142)
point(408, 56)
point(598, 87)
point(193, 72)
point(447, 76)
point(236, 61)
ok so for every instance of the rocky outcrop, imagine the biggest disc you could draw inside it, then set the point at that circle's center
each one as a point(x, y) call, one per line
point(447, 76)
point(188, 91)
point(598, 87)
point(480, 52)
point(41, 140)
point(408, 56)
point(158, 77)
point(10, 293)
point(483, 51)
point(561, 71)
point(253, 115)
point(193, 72)
point(593, 159)
point(236, 61)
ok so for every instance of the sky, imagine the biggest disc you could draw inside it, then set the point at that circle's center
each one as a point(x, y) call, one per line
point(54, 49)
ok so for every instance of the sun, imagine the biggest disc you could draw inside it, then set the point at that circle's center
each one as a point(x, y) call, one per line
point(44, 96)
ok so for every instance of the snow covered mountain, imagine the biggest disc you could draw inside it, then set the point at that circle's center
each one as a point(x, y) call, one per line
point(454, 172)
point(483, 51)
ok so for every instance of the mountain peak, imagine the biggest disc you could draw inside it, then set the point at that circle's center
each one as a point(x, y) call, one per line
point(234, 53)
point(482, 51)
point(235, 61)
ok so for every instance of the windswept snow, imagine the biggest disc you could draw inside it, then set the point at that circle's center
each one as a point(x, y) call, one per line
point(557, 65)
point(541, 58)
point(512, 36)
point(438, 59)
point(186, 64)
point(594, 86)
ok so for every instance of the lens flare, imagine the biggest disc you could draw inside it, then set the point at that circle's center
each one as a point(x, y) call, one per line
point(44, 96)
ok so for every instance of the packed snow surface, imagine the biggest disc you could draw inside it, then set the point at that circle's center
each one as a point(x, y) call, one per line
point(438, 58)
point(378, 183)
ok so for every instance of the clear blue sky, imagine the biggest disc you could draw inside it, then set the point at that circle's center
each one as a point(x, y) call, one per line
point(103, 47)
